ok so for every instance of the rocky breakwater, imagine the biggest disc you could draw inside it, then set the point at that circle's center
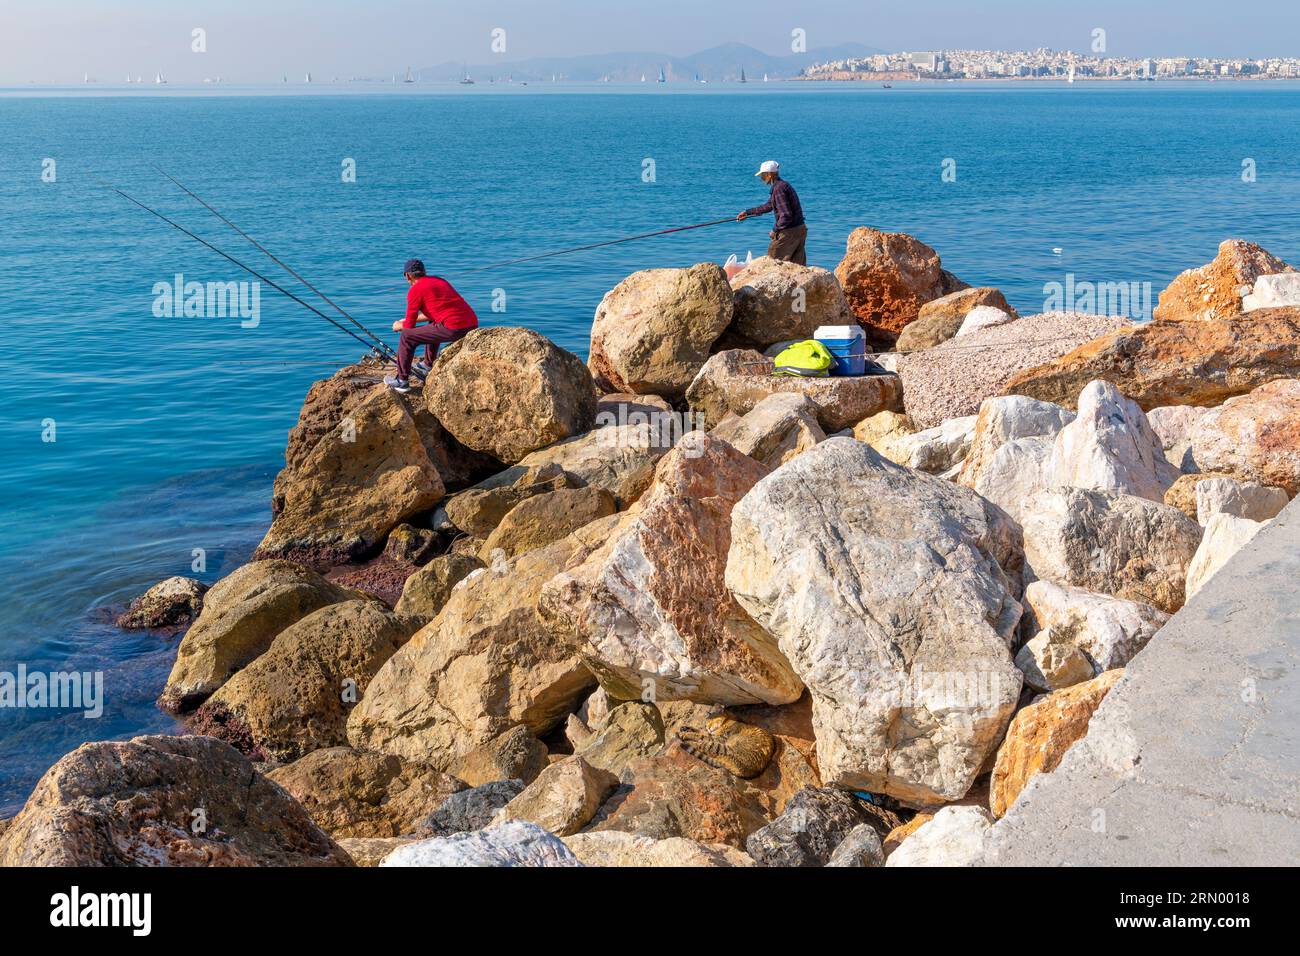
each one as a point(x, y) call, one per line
point(608, 634)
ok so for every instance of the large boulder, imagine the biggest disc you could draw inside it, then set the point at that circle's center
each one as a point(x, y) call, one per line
point(940, 319)
point(515, 843)
point(777, 429)
point(1110, 542)
point(563, 797)
point(1041, 733)
point(1108, 631)
point(426, 592)
point(936, 451)
point(295, 697)
point(870, 575)
point(352, 793)
point(631, 730)
point(887, 277)
point(471, 809)
point(330, 402)
point(954, 836)
point(371, 472)
point(807, 832)
point(1011, 449)
point(1174, 363)
point(1242, 499)
point(737, 380)
point(1215, 290)
point(653, 331)
point(952, 379)
point(675, 795)
point(776, 301)
point(507, 392)
point(547, 518)
point(650, 607)
point(486, 663)
point(1254, 437)
point(1225, 535)
point(514, 755)
point(242, 614)
point(614, 848)
point(162, 801)
point(1110, 447)
point(619, 458)
point(478, 510)
point(1173, 424)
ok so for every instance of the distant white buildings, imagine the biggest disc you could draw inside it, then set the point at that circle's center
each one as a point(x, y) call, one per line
point(1002, 64)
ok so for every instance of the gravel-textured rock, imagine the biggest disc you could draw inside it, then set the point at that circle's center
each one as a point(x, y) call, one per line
point(952, 379)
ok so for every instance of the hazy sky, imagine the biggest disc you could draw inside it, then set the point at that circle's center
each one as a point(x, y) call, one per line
point(257, 40)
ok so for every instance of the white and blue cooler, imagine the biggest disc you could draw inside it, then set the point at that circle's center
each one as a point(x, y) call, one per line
point(848, 343)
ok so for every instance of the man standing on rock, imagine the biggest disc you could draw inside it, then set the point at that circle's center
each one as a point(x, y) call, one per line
point(448, 317)
point(789, 232)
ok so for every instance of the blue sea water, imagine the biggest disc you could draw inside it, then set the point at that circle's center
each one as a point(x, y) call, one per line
point(168, 431)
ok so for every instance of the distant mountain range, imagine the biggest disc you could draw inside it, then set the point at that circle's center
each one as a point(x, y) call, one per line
point(718, 64)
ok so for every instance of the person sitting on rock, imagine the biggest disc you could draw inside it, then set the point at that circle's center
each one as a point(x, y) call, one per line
point(789, 233)
point(446, 316)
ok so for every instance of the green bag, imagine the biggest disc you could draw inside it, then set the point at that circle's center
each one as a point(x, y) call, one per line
point(809, 359)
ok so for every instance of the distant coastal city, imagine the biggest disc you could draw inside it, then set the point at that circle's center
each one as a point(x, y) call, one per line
point(1046, 64)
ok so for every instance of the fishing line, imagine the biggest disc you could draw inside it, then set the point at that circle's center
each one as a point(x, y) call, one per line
point(383, 346)
point(597, 245)
point(253, 272)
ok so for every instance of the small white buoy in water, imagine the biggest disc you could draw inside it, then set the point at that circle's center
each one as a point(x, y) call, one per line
point(1057, 250)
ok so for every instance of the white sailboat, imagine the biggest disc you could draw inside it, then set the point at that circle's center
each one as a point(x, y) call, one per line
point(764, 77)
point(642, 77)
point(409, 78)
point(158, 79)
point(307, 79)
point(742, 75)
point(465, 80)
point(662, 78)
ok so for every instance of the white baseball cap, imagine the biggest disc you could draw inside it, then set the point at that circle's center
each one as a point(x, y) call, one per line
point(771, 166)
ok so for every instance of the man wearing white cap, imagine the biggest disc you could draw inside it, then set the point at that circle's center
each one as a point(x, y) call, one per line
point(789, 232)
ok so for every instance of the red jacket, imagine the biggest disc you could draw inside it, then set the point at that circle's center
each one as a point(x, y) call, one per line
point(440, 303)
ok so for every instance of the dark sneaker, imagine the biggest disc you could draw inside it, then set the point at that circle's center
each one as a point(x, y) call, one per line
point(397, 384)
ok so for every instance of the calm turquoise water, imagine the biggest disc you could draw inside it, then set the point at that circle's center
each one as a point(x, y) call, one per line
point(169, 431)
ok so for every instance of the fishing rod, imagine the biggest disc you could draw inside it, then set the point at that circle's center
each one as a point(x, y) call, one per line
point(253, 272)
point(383, 346)
point(597, 245)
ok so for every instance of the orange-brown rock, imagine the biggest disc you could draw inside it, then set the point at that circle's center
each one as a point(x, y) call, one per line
point(1175, 363)
point(1041, 733)
point(887, 277)
point(1215, 290)
point(941, 319)
point(651, 605)
point(1182, 493)
point(1254, 437)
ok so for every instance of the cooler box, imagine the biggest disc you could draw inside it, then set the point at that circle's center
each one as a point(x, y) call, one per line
point(848, 343)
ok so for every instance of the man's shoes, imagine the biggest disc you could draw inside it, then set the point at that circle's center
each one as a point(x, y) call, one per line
point(397, 384)
point(421, 368)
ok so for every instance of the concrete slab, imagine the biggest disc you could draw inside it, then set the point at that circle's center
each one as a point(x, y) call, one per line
point(1193, 758)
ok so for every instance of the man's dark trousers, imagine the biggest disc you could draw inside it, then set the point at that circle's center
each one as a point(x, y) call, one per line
point(431, 336)
point(788, 244)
